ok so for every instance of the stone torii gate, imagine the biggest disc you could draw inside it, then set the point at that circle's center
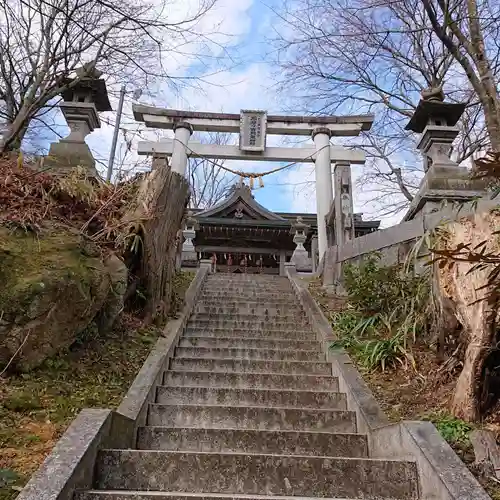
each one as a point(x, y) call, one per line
point(253, 127)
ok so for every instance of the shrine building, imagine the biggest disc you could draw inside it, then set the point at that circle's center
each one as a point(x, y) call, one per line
point(239, 235)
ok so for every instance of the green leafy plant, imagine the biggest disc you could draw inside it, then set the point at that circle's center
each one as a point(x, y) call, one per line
point(390, 309)
point(376, 353)
point(452, 429)
point(8, 477)
point(344, 322)
point(349, 342)
point(373, 288)
point(387, 352)
point(22, 402)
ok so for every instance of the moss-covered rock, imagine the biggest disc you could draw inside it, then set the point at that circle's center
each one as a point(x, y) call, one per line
point(52, 285)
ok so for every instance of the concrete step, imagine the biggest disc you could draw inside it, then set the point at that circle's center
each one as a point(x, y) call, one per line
point(288, 310)
point(250, 277)
point(249, 284)
point(251, 295)
point(248, 417)
point(250, 380)
point(237, 302)
point(247, 281)
point(217, 331)
point(247, 290)
point(249, 343)
point(165, 495)
point(256, 474)
point(249, 322)
point(268, 398)
point(251, 441)
point(289, 317)
point(248, 353)
point(250, 366)
point(246, 285)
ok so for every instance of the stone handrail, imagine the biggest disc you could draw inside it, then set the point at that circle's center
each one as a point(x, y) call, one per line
point(394, 236)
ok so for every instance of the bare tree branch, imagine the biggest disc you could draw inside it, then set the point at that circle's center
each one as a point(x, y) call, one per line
point(352, 56)
point(43, 42)
point(209, 182)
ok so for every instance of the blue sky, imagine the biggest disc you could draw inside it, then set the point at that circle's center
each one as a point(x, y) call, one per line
point(250, 84)
point(247, 85)
point(276, 193)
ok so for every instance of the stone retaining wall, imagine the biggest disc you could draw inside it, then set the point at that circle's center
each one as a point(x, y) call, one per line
point(396, 242)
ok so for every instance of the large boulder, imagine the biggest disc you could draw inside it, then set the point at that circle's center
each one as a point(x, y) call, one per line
point(114, 303)
point(53, 285)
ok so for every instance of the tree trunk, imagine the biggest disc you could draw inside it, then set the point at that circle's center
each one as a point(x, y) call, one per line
point(490, 100)
point(466, 403)
point(445, 321)
point(466, 287)
point(469, 51)
point(491, 115)
point(161, 202)
point(14, 135)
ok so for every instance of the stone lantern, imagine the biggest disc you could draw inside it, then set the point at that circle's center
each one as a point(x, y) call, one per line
point(189, 233)
point(444, 179)
point(83, 98)
point(300, 256)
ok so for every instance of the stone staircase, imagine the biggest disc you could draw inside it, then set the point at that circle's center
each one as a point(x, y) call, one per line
point(249, 410)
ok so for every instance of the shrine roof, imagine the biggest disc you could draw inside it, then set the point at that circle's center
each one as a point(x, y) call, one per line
point(241, 209)
point(239, 206)
point(250, 223)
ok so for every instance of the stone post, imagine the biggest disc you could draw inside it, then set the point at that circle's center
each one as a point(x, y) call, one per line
point(324, 189)
point(344, 210)
point(314, 252)
point(300, 257)
point(282, 262)
point(290, 269)
point(206, 263)
point(178, 251)
point(180, 153)
point(189, 233)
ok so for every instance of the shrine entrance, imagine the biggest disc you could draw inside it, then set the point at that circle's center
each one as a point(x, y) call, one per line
point(240, 235)
point(276, 239)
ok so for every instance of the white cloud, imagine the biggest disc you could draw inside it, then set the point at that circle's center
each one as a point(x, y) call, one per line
point(205, 40)
point(230, 91)
point(246, 87)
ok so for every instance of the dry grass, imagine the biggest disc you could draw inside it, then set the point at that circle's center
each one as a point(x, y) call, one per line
point(29, 197)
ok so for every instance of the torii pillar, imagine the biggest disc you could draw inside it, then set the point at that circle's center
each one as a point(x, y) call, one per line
point(183, 131)
point(324, 188)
